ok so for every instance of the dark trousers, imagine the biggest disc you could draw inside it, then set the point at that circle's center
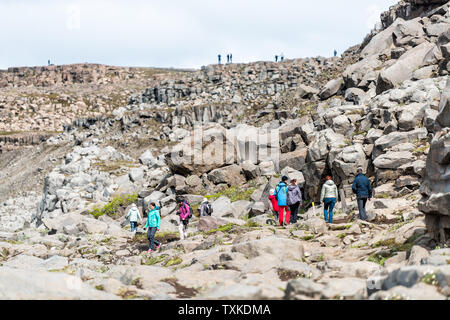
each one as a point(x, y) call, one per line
point(275, 214)
point(151, 238)
point(294, 212)
point(362, 208)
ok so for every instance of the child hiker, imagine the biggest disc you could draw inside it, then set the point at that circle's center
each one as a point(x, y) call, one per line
point(153, 224)
point(134, 216)
point(274, 203)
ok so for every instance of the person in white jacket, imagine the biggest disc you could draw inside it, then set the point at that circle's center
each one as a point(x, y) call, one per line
point(134, 216)
point(328, 197)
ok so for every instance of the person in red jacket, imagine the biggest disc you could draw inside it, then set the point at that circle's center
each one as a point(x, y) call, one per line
point(274, 203)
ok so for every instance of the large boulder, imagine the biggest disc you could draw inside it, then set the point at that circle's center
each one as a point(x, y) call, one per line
point(155, 196)
point(411, 116)
point(254, 144)
point(435, 188)
point(306, 92)
point(381, 41)
point(222, 207)
point(147, 158)
point(349, 160)
point(231, 175)
point(393, 160)
point(208, 223)
point(404, 67)
point(331, 88)
point(208, 148)
point(295, 159)
point(395, 138)
point(361, 73)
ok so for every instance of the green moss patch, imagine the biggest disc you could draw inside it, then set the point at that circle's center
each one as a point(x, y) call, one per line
point(112, 208)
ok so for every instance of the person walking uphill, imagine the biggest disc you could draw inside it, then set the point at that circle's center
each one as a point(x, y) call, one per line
point(328, 197)
point(185, 214)
point(134, 216)
point(153, 224)
point(294, 200)
point(363, 190)
point(281, 195)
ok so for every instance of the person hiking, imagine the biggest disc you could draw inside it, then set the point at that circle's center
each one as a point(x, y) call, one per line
point(153, 224)
point(231, 58)
point(363, 190)
point(228, 58)
point(282, 57)
point(133, 216)
point(219, 57)
point(276, 58)
point(294, 200)
point(184, 212)
point(281, 195)
point(274, 203)
point(335, 53)
point(328, 196)
point(205, 208)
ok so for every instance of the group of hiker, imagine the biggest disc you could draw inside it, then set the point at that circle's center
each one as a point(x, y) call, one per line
point(229, 58)
point(153, 224)
point(281, 57)
point(285, 200)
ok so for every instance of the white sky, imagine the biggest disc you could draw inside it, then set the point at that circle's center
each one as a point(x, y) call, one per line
point(179, 33)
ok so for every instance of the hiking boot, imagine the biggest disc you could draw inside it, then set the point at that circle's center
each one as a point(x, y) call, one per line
point(149, 251)
point(159, 245)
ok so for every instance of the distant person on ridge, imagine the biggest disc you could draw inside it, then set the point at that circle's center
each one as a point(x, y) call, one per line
point(363, 190)
point(282, 57)
point(281, 195)
point(220, 58)
point(328, 197)
point(133, 216)
point(276, 58)
point(294, 200)
point(228, 58)
point(153, 224)
point(274, 203)
point(335, 53)
point(231, 58)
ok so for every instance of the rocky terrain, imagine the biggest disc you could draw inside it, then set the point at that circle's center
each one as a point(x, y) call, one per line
point(37, 102)
point(228, 132)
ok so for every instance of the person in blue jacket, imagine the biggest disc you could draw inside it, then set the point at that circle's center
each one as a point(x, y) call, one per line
point(363, 190)
point(281, 196)
point(153, 224)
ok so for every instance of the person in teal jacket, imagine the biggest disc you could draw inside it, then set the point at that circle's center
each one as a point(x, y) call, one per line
point(152, 225)
point(281, 195)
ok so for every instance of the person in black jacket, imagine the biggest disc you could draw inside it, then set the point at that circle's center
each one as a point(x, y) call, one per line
point(363, 190)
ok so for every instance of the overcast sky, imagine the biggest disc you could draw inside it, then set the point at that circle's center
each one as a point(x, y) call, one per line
point(179, 33)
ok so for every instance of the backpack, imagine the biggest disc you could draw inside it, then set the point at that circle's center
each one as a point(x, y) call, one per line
point(191, 212)
point(276, 193)
point(209, 209)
